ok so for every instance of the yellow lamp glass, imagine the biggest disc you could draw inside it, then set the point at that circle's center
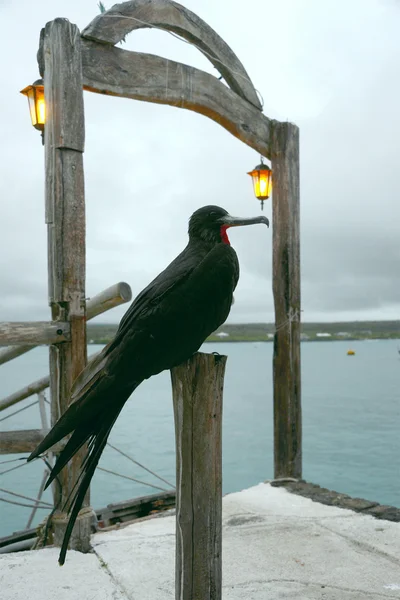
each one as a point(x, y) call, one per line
point(37, 108)
point(262, 181)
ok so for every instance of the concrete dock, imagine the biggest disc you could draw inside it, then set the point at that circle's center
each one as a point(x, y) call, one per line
point(276, 545)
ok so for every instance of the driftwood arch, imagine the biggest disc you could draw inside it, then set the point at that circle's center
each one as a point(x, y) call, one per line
point(111, 27)
point(140, 76)
point(71, 62)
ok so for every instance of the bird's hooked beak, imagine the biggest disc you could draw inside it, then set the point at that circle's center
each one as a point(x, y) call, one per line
point(229, 221)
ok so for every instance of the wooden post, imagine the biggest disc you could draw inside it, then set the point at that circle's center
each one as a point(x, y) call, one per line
point(197, 387)
point(60, 54)
point(286, 289)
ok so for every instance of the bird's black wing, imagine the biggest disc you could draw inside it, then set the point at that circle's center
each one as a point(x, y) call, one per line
point(176, 317)
point(171, 277)
point(93, 384)
point(166, 323)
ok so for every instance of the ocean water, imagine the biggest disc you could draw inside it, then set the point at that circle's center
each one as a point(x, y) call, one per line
point(351, 421)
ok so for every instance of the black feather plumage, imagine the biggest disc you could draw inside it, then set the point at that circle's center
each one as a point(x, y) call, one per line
point(165, 324)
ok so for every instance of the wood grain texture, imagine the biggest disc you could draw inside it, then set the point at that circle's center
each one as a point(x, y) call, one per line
point(36, 332)
point(66, 231)
point(286, 290)
point(117, 72)
point(113, 25)
point(24, 440)
point(65, 216)
point(64, 102)
point(81, 533)
point(197, 387)
point(136, 508)
point(115, 295)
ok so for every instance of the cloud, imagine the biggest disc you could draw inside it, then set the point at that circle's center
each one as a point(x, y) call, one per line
point(148, 167)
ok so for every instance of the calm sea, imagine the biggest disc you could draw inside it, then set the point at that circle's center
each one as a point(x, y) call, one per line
point(351, 419)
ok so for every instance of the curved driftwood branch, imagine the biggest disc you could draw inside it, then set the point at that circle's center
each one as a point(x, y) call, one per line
point(113, 25)
point(110, 70)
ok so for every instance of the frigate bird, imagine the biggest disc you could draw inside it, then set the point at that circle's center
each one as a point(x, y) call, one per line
point(165, 325)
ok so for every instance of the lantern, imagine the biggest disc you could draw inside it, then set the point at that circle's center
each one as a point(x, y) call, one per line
point(262, 182)
point(35, 94)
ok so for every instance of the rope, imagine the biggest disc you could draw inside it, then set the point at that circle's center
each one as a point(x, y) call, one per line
point(14, 468)
point(10, 460)
point(211, 56)
point(132, 479)
point(140, 465)
point(19, 410)
point(292, 317)
point(25, 497)
point(22, 504)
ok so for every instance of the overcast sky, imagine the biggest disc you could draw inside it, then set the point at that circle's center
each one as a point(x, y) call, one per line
point(331, 67)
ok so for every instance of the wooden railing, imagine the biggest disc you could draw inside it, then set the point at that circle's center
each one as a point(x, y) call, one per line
point(113, 296)
point(13, 442)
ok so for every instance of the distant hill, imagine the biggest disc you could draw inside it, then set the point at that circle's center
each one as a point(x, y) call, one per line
point(243, 332)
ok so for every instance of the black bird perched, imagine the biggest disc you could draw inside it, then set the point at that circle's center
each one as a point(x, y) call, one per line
point(165, 324)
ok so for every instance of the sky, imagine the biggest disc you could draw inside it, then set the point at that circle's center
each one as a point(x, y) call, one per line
point(330, 67)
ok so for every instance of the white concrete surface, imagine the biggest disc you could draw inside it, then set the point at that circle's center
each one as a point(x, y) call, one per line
point(276, 546)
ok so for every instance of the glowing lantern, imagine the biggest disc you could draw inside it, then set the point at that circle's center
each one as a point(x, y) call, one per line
point(35, 94)
point(262, 182)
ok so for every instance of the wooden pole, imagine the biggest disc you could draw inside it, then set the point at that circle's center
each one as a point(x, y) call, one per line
point(60, 54)
point(286, 289)
point(34, 333)
point(197, 387)
point(33, 388)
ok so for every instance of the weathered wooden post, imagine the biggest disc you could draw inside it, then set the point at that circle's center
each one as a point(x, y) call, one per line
point(286, 289)
point(197, 387)
point(60, 56)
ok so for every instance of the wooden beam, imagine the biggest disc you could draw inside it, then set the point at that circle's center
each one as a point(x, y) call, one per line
point(109, 70)
point(11, 352)
point(24, 440)
point(29, 390)
point(197, 387)
point(286, 290)
point(113, 296)
point(60, 53)
point(112, 26)
point(34, 333)
point(136, 508)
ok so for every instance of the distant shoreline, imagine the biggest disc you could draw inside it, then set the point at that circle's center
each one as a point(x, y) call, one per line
point(264, 332)
point(229, 340)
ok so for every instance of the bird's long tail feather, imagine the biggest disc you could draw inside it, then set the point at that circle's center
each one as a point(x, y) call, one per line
point(91, 428)
point(98, 439)
point(97, 398)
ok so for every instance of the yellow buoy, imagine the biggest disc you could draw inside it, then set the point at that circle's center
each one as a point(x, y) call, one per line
point(350, 353)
